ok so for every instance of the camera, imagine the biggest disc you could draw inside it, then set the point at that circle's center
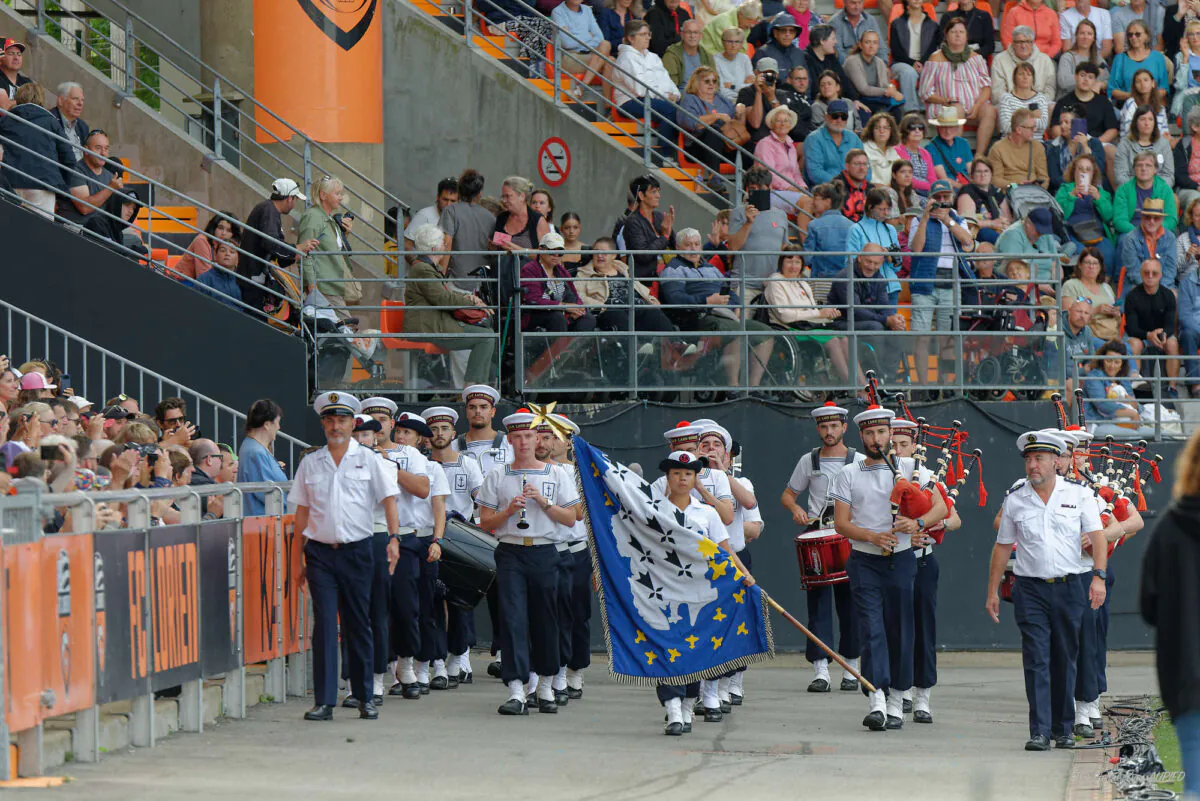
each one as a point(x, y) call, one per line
point(769, 78)
point(938, 206)
point(50, 453)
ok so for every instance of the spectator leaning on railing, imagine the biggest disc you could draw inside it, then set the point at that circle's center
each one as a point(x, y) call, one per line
point(328, 272)
point(199, 258)
point(11, 79)
point(37, 153)
point(262, 237)
point(257, 462)
point(92, 183)
point(828, 231)
point(68, 109)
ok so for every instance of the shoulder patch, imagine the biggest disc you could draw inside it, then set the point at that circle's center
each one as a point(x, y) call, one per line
point(1014, 487)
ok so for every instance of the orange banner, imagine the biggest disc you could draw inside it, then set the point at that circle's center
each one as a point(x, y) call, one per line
point(259, 578)
point(319, 65)
point(293, 587)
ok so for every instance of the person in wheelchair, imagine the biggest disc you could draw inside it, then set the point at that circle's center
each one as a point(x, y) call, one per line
point(604, 284)
point(697, 298)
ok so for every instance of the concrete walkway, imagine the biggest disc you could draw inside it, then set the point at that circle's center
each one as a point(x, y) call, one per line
point(783, 743)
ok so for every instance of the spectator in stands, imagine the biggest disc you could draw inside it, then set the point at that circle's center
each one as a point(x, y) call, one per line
point(182, 468)
point(92, 183)
point(542, 203)
point(206, 460)
point(665, 18)
point(829, 89)
point(35, 386)
point(1036, 16)
point(704, 113)
point(1138, 55)
point(1021, 50)
point(828, 231)
point(612, 15)
point(794, 95)
point(1151, 320)
point(581, 45)
point(326, 268)
point(1187, 166)
point(1079, 340)
point(1146, 184)
point(642, 79)
point(1187, 62)
point(1140, 12)
point(782, 46)
point(1065, 148)
point(1102, 122)
point(1187, 241)
point(67, 111)
point(115, 222)
point(1188, 283)
point(791, 300)
point(470, 228)
point(902, 187)
point(222, 227)
point(37, 155)
point(806, 19)
point(683, 58)
point(759, 99)
point(1031, 236)
point(604, 283)
point(741, 18)
point(985, 201)
point(1142, 93)
point(951, 153)
point(915, 37)
point(171, 416)
point(11, 78)
point(647, 228)
point(880, 140)
point(223, 284)
point(27, 424)
point(854, 181)
point(520, 224)
point(570, 226)
point(256, 454)
point(263, 241)
point(711, 305)
point(1145, 137)
point(872, 312)
point(732, 64)
point(981, 28)
point(873, 227)
point(546, 286)
point(754, 230)
point(1078, 46)
point(1091, 282)
point(871, 78)
point(718, 241)
point(10, 385)
point(433, 307)
point(1022, 95)
point(1109, 391)
point(1149, 240)
point(1087, 207)
point(778, 154)
point(826, 148)
point(822, 56)
point(956, 76)
point(447, 193)
point(850, 23)
point(1017, 159)
point(1084, 50)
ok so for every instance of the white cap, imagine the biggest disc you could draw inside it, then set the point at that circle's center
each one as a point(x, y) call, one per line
point(829, 411)
point(719, 431)
point(480, 391)
point(552, 241)
point(341, 403)
point(377, 404)
point(80, 402)
point(440, 414)
point(1042, 441)
point(682, 432)
point(520, 421)
point(285, 188)
point(875, 415)
point(902, 424)
point(563, 420)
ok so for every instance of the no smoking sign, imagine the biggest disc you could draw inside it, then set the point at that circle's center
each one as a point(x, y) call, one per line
point(554, 161)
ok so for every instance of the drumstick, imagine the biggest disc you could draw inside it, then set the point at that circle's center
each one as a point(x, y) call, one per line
point(834, 655)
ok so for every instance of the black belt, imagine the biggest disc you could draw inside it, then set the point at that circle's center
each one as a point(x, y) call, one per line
point(1054, 580)
point(333, 546)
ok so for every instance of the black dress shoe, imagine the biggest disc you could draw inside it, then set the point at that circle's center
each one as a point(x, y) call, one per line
point(687, 727)
point(921, 716)
point(849, 685)
point(818, 686)
point(1084, 730)
point(531, 699)
point(713, 715)
point(493, 669)
point(319, 712)
point(561, 698)
point(350, 702)
point(547, 705)
point(465, 678)
point(513, 706)
point(377, 700)
point(369, 711)
point(697, 708)
point(396, 689)
point(907, 706)
point(1098, 724)
point(424, 688)
point(735, 699)
point(1064, 741)
point(411, 692)
point(894, 722)
point(436, 683)
point(451, 682)
point(673, 729)
point(876, 721)
point(1039, 742)
point(574, 694)
point(726, 707)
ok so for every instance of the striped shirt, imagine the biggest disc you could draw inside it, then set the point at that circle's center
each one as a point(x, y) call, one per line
point(963, 84)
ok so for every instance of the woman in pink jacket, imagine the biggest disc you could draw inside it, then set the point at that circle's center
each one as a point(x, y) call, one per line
point(912, 134)
point(779, 154)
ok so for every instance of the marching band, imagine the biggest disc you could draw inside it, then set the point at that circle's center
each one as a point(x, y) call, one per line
point(410, 524)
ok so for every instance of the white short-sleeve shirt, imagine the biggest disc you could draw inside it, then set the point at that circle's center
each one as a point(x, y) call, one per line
point(817, 483)
point(1048, 535)
point(868, 490)
point(706, 518)
point(1070, 19)
point(504, 483)
point(411, 460)
point(341, 498)
point(715, 481)
point(489, 457)
point(742, 516)
point(464, 477)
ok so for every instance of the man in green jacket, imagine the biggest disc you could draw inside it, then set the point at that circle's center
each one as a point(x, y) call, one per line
point(1145, 180)
point(683, 57)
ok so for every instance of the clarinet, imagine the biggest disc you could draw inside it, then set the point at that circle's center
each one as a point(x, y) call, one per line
point(523, 523)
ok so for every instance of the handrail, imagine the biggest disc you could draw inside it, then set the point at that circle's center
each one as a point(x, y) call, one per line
point(303, 176)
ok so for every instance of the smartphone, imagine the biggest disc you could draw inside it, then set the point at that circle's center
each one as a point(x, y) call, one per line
point(1084, 182)
point(1078, 126)
point(760, 199)
point(49, 453)
point(1033, 106)
point(64, 383)
point(500, 238)
point(348, 215)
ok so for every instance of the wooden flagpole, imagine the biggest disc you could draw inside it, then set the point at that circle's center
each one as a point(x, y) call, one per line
point(834, 655)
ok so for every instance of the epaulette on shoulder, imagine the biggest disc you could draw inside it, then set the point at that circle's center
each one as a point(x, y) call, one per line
point(1016, 486)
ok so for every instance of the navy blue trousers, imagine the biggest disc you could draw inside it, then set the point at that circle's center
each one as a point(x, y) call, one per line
point(1049, 617)
point(581, 610)
point(339, 582)
point(379, 609)
point(565, 610)
point(461, 633)
point(821, 603)
point(493, 605)
point(883, 598)
point(1087, 686)
point(1102, 633)
point(414, 626)
point(666, 692)
point(925, 622)
point(527, 589)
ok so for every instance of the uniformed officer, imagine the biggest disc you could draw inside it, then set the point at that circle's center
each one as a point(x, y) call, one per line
point(815, 472)
point(335, 492)
point(523, 503)
point(1045, 517)
point(464, 476)
point(925, 586)
point(881, 566)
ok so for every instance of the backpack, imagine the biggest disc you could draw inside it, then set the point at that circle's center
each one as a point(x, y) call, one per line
point(1024, 198)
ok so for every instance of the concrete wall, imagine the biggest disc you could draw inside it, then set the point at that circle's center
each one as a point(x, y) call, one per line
point(465, 110)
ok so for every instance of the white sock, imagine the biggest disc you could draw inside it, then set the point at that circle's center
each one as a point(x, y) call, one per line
point(516, 690)
point(878, 701)
point(735, 683)
point(908, 694)
point(895, 705)
point(686, 705)
point(560, 680)
point(439, 668)
point(422, 671)
point(821, 668)
point(406, 674)
point(674, 710)
point(464, 661)
point(377, 686)
point(531, 686)
point(1083, 712)
point(921, 698)
point(575, 679)
point(708, 694)
point(545, 688)
point(1095, 710)
point(847, 674)
point(723, 689)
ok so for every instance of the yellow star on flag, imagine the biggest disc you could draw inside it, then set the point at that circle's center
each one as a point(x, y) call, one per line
point(595, 470)
point(607, 500)
point(691, 641)
point(737, 574)
point(718, 568)
point(640, 637)
point(741, 629)
point(719, 616)
point(650, 657)
point(740, 596)
point(708, 549)
point(671, 652)
point(717, 642)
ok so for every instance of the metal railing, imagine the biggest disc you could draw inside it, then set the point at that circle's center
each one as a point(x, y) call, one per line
point(1152, 408)
point(98, 374)
point(125, 57)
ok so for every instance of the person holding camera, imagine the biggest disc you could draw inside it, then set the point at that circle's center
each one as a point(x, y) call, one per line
point(760, 226)
point(874, 227)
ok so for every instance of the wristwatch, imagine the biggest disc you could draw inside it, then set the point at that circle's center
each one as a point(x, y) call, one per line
point(395, 537)
point(920, 524)
point(1100, 574)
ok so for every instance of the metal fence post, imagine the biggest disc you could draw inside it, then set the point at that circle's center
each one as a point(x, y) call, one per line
point(956, 333)
point(218, 145)
point(852, 367)
point(468, 22)
point(41, 27)
point(275, 680)
point(648, 132)
point(737, 179)
point(130, 58)
point(233, 699)
point(308, 165)
point(556, 78)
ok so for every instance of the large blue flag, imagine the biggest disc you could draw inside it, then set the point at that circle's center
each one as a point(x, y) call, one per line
point(672, 603)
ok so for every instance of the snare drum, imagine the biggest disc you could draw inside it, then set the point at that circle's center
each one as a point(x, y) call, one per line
point(822, 554)
point(468, 565)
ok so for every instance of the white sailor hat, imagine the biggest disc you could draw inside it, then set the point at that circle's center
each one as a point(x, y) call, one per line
point(377, 404)
point(563, 420)
point(903, 425)
point(413, 422)
point(683, 432)
point(717, 431)
point(440, 414)
point(1081, 434)
point(520, 420)
point(1068, 437)
point(336, 403)
point(682, 460)
point(875, 415)
point(704, 422)
point(829, 412)
point(1041, 442)
point(365, 422)
point(476, 391)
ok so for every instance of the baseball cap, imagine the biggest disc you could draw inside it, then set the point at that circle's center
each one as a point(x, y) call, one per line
point(552, 241)
point(118, 413)
point(1043, 223)
point(940, 185)
point(284, 188)
point(11, 42)
point(784, 20)
point(80, 402)
point(768, 64)
point(35, 380)
point(838, 105)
